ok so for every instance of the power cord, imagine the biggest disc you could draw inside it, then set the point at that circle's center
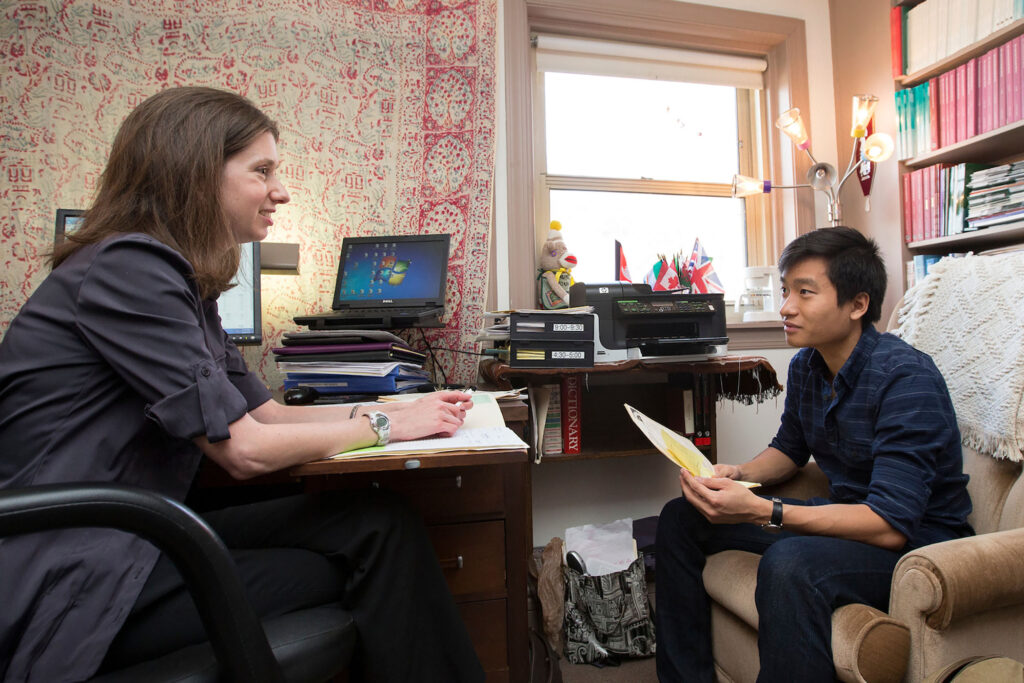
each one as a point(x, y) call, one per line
point(434, 363)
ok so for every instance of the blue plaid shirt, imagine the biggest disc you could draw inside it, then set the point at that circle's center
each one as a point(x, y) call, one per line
point(885, 434)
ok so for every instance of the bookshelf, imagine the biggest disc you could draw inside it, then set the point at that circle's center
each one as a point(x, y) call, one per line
point(962, 55)
point(990, 146)
point(998, 142)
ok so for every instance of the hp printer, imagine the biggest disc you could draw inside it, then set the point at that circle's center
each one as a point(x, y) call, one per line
point(635, 322)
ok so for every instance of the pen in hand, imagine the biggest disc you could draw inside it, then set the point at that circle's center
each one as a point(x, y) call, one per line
point(459, 403)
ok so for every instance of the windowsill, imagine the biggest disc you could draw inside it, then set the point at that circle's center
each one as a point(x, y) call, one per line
point(757, 335)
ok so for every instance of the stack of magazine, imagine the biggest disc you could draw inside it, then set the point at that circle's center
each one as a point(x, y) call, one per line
point(339, 364)
point(996, 197)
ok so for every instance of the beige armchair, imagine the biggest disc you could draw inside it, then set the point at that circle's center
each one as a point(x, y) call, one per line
point(948, 601)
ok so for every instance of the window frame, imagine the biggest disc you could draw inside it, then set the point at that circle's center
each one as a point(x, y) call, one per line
point(750, 104)
point(667, 23)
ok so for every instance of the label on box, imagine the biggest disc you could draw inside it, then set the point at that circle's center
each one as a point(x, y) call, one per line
point(568, 355)
point(567, 327)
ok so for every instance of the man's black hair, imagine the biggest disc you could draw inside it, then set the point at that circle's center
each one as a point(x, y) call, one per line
point(854, 265)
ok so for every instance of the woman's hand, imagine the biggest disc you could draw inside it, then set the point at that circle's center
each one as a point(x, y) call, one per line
point(721, 500)
point(440, 413)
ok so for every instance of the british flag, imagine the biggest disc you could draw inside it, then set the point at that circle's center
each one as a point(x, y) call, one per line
point(703, 278)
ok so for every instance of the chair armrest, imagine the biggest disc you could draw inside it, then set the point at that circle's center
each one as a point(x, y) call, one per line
point(808, 482)
point(868, 645)
point(954, 579)
point(204, 562)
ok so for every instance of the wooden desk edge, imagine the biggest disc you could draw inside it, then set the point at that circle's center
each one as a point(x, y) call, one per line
point(405, 462)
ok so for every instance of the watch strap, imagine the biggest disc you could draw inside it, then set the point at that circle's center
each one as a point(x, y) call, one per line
point(775, 522)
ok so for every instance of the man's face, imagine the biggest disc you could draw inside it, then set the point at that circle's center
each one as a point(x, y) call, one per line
point(810, 310)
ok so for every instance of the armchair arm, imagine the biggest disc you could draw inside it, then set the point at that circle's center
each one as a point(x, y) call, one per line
point(204, 562)
point(951, 580)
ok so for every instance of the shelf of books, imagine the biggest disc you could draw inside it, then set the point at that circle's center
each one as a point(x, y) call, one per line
point(959, 72)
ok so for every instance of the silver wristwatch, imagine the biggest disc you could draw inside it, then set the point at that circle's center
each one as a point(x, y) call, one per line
point(381, 425)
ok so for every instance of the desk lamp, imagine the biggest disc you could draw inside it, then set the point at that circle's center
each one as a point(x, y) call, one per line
point(823, 176)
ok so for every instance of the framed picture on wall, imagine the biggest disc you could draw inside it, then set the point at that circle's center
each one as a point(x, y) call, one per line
point(67, 222)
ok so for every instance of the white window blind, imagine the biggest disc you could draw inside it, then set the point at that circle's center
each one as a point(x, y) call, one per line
point(607, 58)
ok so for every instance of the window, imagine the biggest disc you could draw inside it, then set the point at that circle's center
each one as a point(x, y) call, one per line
point(639, 145)
point(779, 41)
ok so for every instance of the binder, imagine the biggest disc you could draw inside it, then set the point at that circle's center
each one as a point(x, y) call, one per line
point(354, 384)
point(388, 352)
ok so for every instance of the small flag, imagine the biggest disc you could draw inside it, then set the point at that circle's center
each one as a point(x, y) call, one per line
point(702, 274)
point(669, 280)
point(652, 275)
point(621, 269)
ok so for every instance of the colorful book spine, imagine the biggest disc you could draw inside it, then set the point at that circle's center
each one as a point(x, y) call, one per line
point(551, 443)
point(896, 15)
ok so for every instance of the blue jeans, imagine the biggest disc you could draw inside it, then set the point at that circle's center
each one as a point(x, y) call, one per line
point(801, 580)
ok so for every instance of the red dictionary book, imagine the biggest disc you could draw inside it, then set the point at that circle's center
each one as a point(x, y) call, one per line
point(896, 38)
point(934, 95)
point(908, 225)
point(971, 106)
point(571, 412)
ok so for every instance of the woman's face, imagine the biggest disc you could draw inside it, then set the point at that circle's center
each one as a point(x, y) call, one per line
point(250, 189)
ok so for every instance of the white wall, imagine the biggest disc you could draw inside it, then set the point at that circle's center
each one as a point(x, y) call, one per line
point(597, 491)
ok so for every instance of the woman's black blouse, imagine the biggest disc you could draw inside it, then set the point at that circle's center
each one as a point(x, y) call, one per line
point(106, 374)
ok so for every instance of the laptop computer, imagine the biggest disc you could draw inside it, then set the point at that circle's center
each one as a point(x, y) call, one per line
point(387, 282)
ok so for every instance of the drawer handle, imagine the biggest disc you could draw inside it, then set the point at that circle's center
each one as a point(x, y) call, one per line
point(452, 563)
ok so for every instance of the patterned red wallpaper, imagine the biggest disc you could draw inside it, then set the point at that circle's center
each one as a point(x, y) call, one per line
point(386, 112)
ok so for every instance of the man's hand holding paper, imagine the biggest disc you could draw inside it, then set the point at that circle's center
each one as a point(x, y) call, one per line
point(681, 450)
point(723, 500)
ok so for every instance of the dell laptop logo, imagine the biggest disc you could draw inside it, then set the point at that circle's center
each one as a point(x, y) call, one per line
point(387, 301)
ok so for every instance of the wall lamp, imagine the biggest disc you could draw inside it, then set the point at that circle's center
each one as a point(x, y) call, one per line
point(823, 176)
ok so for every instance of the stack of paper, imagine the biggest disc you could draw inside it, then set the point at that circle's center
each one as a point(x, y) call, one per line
point(339, 362)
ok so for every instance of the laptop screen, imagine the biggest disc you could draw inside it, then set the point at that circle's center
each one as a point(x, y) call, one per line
point(406, 270)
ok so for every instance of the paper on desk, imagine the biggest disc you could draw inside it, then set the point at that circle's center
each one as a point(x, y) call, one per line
point(605, 548)
point(575, 310)
point(676, 447)
point(485, 411)
point(471, 439)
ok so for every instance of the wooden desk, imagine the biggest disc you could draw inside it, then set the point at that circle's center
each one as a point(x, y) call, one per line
point(477, 508)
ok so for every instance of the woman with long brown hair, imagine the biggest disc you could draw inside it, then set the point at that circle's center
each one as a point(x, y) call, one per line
point(117, 369)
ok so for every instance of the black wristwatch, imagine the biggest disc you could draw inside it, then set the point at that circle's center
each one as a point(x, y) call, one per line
point(775, 522)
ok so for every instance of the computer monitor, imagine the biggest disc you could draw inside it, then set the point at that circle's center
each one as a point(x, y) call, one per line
point(68, 221)
point(240, 310)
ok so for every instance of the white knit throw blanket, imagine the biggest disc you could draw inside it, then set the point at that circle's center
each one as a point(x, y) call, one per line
point(968, 315)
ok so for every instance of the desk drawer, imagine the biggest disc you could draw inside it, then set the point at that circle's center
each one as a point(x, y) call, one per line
point(472, 557)
point(442, 495)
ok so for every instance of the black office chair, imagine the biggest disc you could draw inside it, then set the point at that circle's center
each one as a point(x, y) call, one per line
point(310, 645)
